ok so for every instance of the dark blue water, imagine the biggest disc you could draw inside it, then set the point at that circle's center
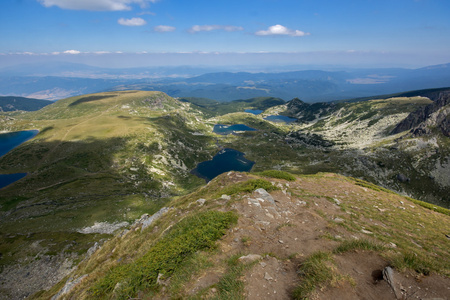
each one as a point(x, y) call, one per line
point(280, 119)
point(226, 129)
point(224, 161)
point(7, 179)
point(254, 111)
point(9, 141)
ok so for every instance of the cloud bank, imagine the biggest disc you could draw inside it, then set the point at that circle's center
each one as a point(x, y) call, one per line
point(163, 28)
point(132, 22)
point(281, 30)
point(199, 28)
point(96, 5)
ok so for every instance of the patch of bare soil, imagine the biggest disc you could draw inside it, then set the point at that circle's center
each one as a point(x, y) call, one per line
point(365, 269)
point(284, 227)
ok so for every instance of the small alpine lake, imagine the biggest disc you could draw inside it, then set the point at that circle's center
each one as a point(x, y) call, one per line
point(224, 161)
point(254, 111)
point(228, 129)
point(280, 119)
point(9, 141)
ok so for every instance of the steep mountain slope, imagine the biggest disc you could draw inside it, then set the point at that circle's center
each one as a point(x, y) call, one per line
point(435, 114)
point(370, 142)
point(98, 161)
point(310, 236)
point(11, 103)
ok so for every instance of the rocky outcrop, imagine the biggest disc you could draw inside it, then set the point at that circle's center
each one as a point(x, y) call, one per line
point(308, 139)
point(306, 112)
point(432, 115)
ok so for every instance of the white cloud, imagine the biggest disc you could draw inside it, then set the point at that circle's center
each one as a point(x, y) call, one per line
point(96, 5)
point(281, 30)
point(198, 28)
point(132, 22)
point(164, 28)
point(71, 52)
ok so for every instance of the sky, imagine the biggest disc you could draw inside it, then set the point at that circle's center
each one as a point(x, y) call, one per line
point(132, 33)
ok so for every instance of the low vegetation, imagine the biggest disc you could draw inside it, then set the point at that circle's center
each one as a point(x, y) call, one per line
point(278, 174)
point(190, 235)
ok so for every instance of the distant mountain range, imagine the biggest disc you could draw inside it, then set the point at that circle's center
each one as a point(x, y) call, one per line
point(59, 80)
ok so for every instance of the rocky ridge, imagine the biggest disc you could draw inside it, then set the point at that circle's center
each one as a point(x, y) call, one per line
point(276, 235)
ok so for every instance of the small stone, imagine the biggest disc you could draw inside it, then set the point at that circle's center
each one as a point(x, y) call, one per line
point(267, 276)
point(392, 245)
point(201, 201)
point(366, 231)
point(263, 264)
point(225, 197)
point(338, 220)
point(280, 241)
point(337, 201)
point(249, 258)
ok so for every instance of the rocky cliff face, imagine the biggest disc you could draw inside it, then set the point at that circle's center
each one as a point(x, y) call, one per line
point(435, 114)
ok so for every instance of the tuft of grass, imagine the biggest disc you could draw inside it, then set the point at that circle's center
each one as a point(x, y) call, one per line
point(362, 244)
point(430, 206)
point(377, 188)
point(194, 233)
point(248, 187)
point(278, 174)
point(417, 262)
point(315, 272)
point(230, 286)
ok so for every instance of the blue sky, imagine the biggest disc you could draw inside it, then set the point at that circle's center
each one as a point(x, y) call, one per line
point(124, 33)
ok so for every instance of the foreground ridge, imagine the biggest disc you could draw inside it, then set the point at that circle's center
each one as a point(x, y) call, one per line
point(316, 236)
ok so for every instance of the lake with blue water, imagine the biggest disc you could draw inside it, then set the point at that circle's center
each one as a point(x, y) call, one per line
point(280, 119)
point(9, 141)
point(224, 161)
point(227, 129)
point(254, 111)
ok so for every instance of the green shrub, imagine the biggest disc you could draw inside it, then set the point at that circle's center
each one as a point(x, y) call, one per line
point(278, 174)
point(190, 235)
point(248, 187)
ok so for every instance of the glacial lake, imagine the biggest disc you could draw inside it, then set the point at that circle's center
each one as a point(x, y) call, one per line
point(254, 111)
point(9, 141)
point(224, 161)
point(280, 119)
point(227, 129)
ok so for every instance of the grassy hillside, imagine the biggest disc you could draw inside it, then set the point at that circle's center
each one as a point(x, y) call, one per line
point(98, 159)
point(215, 108)
point(311, 237)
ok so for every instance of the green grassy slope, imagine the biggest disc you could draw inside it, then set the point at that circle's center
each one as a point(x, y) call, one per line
point(214, 108)
point(107, 157)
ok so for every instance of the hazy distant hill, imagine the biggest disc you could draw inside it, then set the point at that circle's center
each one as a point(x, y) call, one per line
point(60, 81)
point(12, 103)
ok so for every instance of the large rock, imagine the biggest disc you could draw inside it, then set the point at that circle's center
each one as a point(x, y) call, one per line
point(435, 114)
